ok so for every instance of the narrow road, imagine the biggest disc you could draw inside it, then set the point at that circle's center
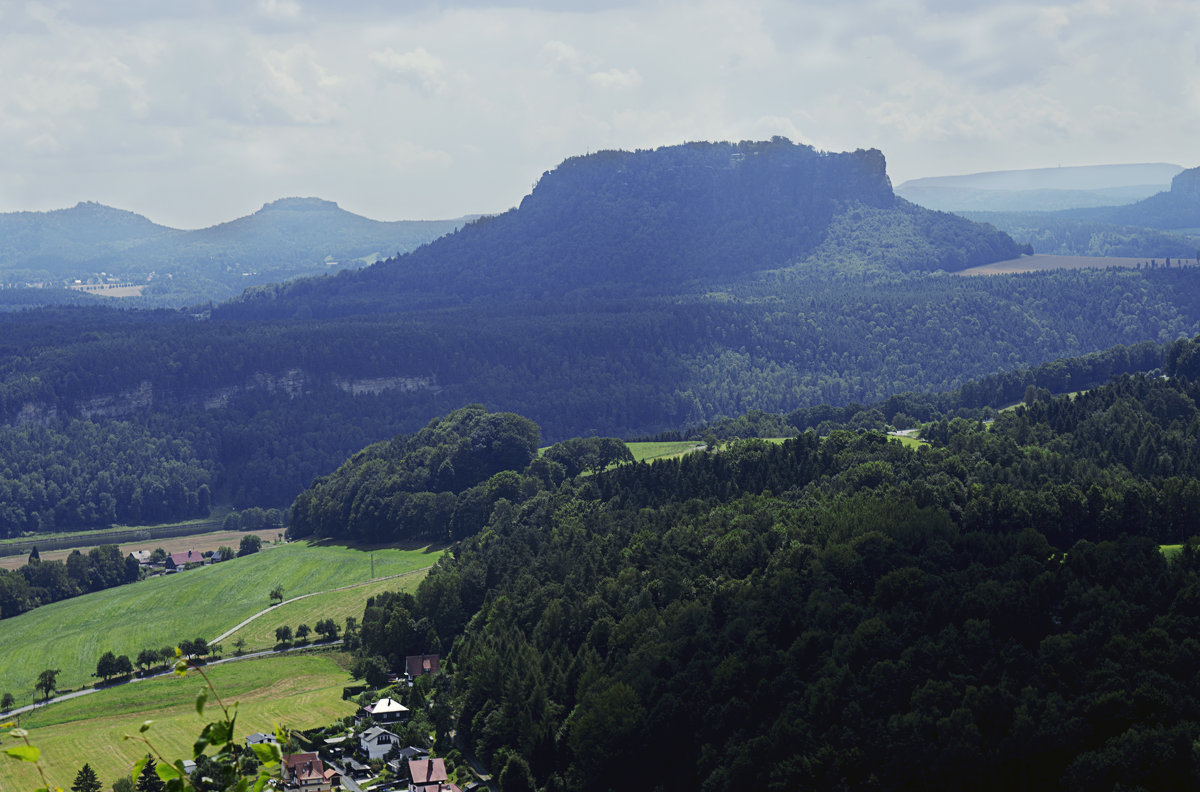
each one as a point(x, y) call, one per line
point(221, 637)
point(234, 629)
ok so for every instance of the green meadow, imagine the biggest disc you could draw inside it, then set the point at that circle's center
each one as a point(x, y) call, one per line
point(645, 452)
point(201, 603)
point(337, 605)
point(297, 690)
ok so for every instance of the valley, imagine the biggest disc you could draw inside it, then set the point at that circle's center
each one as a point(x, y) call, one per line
point(716, 442)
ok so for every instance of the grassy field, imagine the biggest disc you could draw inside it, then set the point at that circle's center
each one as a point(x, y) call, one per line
point(907, 441)
point(644, 452)
point(336, 605)
point(201, 603)
point(210, 540)
point(1044, 262)
point(296, 690)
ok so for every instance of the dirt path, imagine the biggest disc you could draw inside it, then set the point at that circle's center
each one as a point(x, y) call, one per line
point(232, 630)
point(223, 636)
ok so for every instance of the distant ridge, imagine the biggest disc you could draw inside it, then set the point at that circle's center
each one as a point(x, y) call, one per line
point(675, 220)
point(286, 238)
point(1176, 209)
point(1041, 189)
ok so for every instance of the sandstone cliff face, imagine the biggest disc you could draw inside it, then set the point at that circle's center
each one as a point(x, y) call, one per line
point(294, 382)
point(1187, 182)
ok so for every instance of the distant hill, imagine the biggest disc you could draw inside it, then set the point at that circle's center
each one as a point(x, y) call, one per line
point(1177, 209)
point(1165, 225)
point(1041, 189)
point(676, 220)
point(284, 239)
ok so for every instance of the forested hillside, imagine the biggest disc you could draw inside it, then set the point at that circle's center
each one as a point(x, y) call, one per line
point(620, 299)
point(992, 611)
point(675, 220)
point(1161, 226)
point(96, 244)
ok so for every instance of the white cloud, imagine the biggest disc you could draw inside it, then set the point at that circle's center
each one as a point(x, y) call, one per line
point(279, 9)
point(438, 109)
point(418, 65)
point(616, 78)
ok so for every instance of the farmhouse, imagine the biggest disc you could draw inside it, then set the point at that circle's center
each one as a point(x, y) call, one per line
point(178, 561)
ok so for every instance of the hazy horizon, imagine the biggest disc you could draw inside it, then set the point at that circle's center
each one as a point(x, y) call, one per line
point(193, 116)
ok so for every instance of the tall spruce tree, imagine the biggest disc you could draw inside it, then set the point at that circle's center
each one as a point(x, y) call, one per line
point(148, 780)
point(85, 780)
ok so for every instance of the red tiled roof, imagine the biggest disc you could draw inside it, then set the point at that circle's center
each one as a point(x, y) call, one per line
point(188, 557)
point(304, 766)
point(427, 771)
point(421, 664)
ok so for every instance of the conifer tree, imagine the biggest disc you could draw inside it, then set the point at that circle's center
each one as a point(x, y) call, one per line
point(149, 781)
point(85, 780)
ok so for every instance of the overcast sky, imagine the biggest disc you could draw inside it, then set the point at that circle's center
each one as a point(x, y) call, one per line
point(199, 112)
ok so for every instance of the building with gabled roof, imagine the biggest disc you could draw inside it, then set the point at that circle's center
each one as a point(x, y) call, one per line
point(386, 710)
point(416, 665)
point(305, 772)
point(426, 772)
point(377, 741)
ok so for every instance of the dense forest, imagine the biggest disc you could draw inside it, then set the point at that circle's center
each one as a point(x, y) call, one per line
point(253, 412)
point(988, 611)
point(1161, 226)
point(631, 293)
point(675, 220)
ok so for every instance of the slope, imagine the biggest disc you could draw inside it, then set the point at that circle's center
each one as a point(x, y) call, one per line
point(613, 225)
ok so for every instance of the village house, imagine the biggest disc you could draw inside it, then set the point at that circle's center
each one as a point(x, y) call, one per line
point(417, 665)
point(305, 773)
point(377, 741)
point(385, 710)
point(177, 561)
point(399, 765)
point(427, 773)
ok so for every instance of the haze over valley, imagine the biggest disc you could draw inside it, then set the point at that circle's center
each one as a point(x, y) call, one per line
point(792, 396)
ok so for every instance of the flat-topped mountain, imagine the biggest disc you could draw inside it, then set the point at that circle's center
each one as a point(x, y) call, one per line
point(674, 220)
point(1176, 209)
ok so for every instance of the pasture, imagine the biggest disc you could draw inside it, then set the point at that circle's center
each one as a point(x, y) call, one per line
point(646, 452)
point(157, 612)
point(298, 691)
point(200, 542)
point(1042, 262)
point(337, 605)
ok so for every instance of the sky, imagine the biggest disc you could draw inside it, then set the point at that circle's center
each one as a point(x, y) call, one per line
point(195, 113)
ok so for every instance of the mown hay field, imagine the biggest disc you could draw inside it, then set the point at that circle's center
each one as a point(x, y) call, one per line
point(200, 603)
point(296, 690)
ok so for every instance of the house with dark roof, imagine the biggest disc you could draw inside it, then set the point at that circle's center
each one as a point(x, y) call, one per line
point(305, 772)
point(177, 561)
point(385, 710)
point(416, 665)
point(399, 765)
point(377, 741)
